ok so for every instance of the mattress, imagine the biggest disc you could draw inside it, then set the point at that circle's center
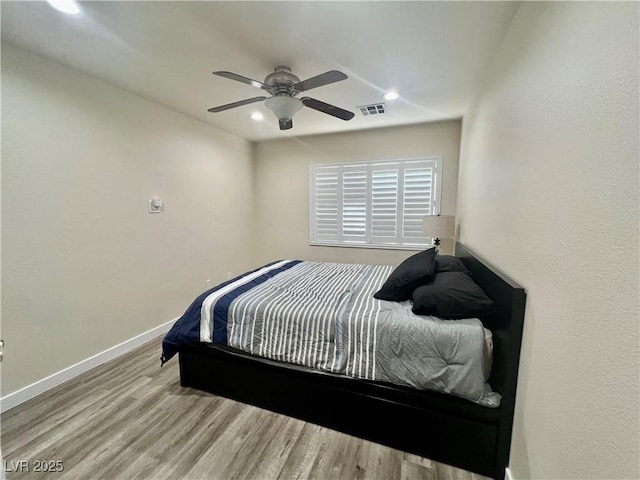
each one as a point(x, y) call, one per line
point(323, 316)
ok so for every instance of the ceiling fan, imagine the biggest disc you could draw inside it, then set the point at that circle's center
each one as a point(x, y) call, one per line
point(284, 86)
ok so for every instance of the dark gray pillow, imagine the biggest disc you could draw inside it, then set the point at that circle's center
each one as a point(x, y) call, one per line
point(449, 263)
point(451, 295)
point(410, 274)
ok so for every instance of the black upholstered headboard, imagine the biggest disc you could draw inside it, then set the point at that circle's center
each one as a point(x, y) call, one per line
point(506, 323)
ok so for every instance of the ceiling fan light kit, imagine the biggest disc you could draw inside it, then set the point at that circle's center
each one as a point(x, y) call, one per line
point(283, 107)
point(284, 86)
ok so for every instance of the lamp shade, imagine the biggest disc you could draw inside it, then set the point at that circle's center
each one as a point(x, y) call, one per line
point(283, 107)
point(439, 226)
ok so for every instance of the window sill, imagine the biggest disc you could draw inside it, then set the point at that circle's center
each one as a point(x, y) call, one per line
point(373, 246)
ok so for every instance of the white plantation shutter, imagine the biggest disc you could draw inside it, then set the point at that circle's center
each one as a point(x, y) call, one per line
point(378, 203)
point(416, 201)
point(326, 211)
point(354, 204)
point(384, 204)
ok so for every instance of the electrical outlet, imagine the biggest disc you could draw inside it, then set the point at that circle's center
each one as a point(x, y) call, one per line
point(228, 275)
point(207, 283)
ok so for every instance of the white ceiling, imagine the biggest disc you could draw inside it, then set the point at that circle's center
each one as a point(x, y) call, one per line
point(434, 53)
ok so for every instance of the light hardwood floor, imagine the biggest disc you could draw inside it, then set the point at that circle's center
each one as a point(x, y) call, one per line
point(130, 419)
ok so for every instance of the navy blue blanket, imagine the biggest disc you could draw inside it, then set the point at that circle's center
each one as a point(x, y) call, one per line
point(187, 327)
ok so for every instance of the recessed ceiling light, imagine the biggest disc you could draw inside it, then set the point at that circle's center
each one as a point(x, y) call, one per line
point(66, 6)
point(257, 116)
point(391, 95)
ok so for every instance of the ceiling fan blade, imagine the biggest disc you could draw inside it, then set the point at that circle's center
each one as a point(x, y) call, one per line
point(326, 78)
point(286, 124)
point(327, 108)
point(236, 104)
point(240, 78)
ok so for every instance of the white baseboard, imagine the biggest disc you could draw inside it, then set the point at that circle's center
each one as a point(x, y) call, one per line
point(16, 398)
point(507, 474)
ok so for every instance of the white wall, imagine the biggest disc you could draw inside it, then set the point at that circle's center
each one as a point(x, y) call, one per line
point(84, 266)
point(548, 193)
point(282, 186)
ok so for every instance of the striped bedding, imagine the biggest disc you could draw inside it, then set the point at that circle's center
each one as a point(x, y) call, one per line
point(323, 316)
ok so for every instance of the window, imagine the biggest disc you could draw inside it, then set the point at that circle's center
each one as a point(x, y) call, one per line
point(373, 204)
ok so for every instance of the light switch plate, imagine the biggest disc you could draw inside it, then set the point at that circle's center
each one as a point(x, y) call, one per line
point(155, 206)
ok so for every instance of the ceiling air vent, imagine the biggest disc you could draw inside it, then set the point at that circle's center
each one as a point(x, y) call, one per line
point(373, 109)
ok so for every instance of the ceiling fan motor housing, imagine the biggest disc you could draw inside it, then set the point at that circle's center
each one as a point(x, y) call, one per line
point(281, 80)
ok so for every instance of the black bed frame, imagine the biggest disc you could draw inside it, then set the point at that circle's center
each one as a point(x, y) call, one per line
point(441, 427)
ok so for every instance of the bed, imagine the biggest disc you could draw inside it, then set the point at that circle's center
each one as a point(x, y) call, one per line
point(462, 424)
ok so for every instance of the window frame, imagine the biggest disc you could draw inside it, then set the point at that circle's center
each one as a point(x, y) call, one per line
point(400, 163)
